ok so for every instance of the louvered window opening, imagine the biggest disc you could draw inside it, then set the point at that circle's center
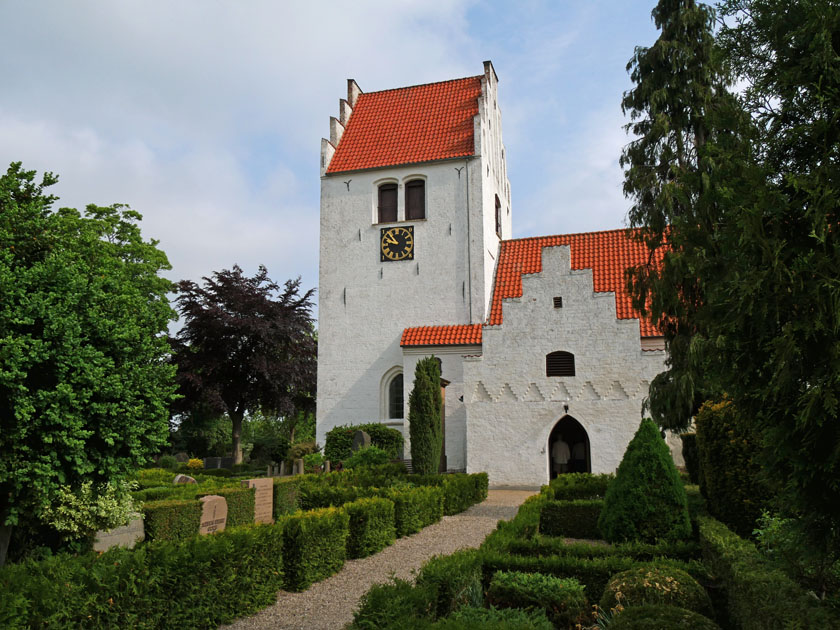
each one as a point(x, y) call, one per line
point(558, 302)
point(387, 203)
point(560, 364)
point(415, 200)
point(395, 398)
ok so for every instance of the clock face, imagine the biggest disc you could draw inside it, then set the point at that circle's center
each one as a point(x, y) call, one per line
point(396, 243)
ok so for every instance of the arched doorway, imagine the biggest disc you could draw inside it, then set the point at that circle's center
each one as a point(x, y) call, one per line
point(570, 432)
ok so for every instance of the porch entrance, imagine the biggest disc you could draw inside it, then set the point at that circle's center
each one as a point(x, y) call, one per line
point(568, 448)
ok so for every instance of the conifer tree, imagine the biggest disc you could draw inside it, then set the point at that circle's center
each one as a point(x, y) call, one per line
point(647, 500)
point(424, 404)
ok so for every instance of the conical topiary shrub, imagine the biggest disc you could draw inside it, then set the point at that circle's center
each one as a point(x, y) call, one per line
point(647, 499)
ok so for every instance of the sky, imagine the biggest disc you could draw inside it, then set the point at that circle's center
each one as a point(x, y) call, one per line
point(206, 115)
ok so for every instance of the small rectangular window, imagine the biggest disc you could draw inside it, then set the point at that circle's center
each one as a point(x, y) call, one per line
point(387, 203)
point(415, 200)
point(558, 302)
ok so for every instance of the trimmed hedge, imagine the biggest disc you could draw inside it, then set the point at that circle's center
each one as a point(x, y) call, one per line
point(656, 585)
point(286, 491)
point(759, 597)
point(643, 552)
point(201, 583)
point(460, 490)
point(562, 599)
point(371, 526)
point(339, 441)
point(578, 486)
point(661, 617)
point(396, 605)
point(314, 546)
point(171, 519)
point(240, 504)
point(593, 573)
point(415, 508)
point(454, 579)
point(491, 618)
point(574, 519)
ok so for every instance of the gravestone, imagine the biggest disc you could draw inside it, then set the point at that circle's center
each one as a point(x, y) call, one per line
point(125, 536)
point(226, 462)
point(298, 467)
point(183, 479)
point(212, 462)
point(327, 466)
point(213, 514)
point(360, 440)
point(182, 458)
point(263, 498)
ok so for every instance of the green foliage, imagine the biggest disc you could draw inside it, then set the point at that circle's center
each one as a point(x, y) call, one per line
point(201, 583)
point(171, 519)
point(286, 493)
point(396, 605)
point(424, 428)
point(460, 490)
point(415, 508)
point(491, 618)
point(268, 438)
point(339, 441)
point(644, 552)
point(578, 486)
point(202, 431)
point(313, 462)
point(661, 617)
point(562, 599)
point(80, 514)
point(314, 546)
point(302, 449)
point(728, 448)
point(455, 579)
point(83, 368)
point(647, 500)
point(759, 597)
point(240, 504)
point(371, 526)
point(367, 456)
point(573, 519)
point(691, 456)
point(168, 462)
point(653, 584)
point(153, 477)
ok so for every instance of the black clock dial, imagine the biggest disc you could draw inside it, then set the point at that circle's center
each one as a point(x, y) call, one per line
point(396, 243)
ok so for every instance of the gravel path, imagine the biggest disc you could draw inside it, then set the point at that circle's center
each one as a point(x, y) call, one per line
point(329, 605)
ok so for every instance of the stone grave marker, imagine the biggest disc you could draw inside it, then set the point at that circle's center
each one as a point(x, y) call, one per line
point(263, 498)
point(183, 479)
point(213, 514)
point(125, 536)
point(182, 458)
point(360, 440)
point(298, 467)
point(327, 466)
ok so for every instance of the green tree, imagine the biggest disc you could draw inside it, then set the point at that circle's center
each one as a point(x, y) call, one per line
point(247, 346)
point(424, 429)
point(84, 382)
point(646, 501)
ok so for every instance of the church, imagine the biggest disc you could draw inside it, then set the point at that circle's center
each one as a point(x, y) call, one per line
point(540, 350)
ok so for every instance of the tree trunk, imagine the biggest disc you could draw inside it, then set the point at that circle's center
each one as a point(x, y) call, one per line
point(236, 419)
point(5, 537)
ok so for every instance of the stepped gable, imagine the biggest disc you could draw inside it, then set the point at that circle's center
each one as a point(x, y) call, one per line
point(608, 254)
point(407, 125)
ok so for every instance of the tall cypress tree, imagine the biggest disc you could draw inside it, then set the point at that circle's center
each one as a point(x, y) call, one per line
point(424, 404)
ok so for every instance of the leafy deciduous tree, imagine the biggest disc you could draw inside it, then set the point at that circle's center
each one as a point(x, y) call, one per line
point(84, 382)
point(247, 345)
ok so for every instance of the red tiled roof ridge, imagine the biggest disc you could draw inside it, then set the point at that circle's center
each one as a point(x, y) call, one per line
point(419, 85)
point(442, 335)
point(571, 234)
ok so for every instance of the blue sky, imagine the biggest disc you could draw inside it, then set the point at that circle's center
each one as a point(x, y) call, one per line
point(206, 116)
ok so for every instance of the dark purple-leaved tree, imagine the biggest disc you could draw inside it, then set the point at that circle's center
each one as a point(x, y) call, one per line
point(247, 345)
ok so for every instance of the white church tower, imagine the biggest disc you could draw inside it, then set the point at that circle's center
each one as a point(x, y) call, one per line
point(415, 200)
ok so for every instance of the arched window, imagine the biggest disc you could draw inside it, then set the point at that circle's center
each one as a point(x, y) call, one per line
point(498, 217)
point(387, 203)
point(395, 398)
point(560, 363)
point(415, 200)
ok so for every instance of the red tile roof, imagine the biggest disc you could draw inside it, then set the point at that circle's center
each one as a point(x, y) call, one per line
point(407, 125)
point(607, 254)
point(459, 335)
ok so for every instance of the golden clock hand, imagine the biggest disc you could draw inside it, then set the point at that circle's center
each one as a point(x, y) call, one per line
point(389, 238)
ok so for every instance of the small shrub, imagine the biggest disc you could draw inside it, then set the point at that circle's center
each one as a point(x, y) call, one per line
point(367, 456)
point(313, 463)
point(168, 462)
point(579, 486)
point(574, 519)
point(492, 618)
point(562, 599)
point(314, 546)
point(171, 520)
point(154, 477)
point(301, 449)
point(661, 617)
point(656, 585)
point(415, 508)
point(195, 464)
point(371, 526)
point(460, 490)
point(396, 605)
point(647, 499)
